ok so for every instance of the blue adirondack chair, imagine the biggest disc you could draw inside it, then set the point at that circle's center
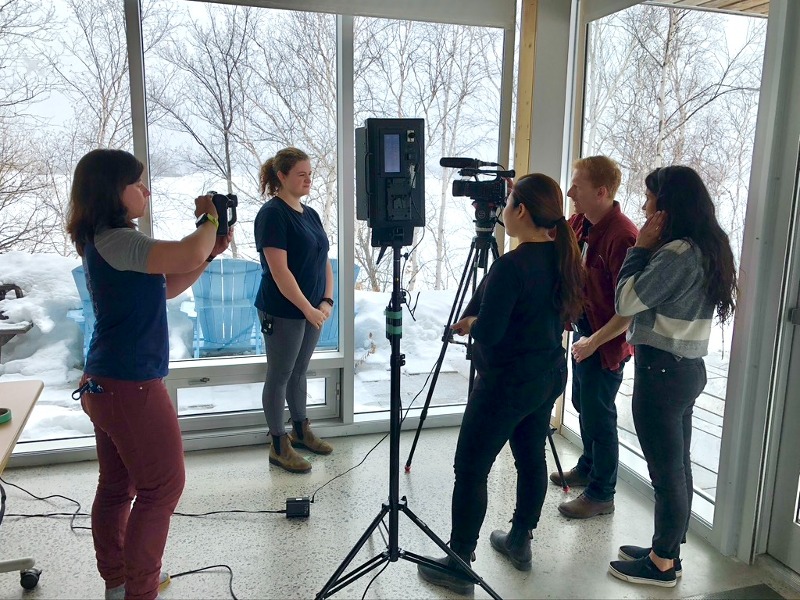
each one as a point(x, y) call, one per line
point(226, 318)
point(329, 336)
point(84, 315)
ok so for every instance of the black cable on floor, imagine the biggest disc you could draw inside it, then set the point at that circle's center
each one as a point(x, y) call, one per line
point(72, 516)
point(380, 441)
point(193, 571)
point(371, 581)
point(232, 511)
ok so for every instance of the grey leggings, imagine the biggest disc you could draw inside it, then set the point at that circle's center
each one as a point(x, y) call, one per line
point(289, 349)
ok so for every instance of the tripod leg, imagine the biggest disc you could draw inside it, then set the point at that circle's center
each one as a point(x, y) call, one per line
point(564, 485)
point(463, 570)
point(336, 581)
point(463, 286)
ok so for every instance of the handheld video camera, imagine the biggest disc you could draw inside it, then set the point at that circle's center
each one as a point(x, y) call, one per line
point(488, 196)
point(226, 210)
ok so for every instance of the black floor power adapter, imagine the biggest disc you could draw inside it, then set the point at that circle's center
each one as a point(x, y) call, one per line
point(298, 508)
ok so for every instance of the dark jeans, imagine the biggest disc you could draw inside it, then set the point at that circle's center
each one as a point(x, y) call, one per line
point(594, 393)
point(499, 411)
point(664, 391)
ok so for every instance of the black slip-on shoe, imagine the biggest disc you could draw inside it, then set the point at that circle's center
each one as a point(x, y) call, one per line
point(642, 571)
point(637, 552)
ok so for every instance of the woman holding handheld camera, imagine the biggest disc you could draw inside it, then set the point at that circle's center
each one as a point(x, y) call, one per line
point(294, 300)
point(516, 321)
point(680, 272)
point(130, 276)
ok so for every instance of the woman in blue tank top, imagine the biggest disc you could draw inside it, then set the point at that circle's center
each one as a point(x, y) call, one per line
point(139, 449)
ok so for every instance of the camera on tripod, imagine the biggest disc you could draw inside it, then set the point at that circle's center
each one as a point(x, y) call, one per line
point(226, 210)
point(488, 196)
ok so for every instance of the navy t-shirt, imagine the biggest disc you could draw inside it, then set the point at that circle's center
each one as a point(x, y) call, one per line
point(130, 339)
point(278, 225)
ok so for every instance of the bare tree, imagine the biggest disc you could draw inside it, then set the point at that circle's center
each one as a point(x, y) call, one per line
point(203, 92)
point(657, 79)
point(444, 74)
point(25, 29)
point(293, 94)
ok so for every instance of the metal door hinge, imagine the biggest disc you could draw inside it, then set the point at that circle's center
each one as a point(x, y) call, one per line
point(794, 316)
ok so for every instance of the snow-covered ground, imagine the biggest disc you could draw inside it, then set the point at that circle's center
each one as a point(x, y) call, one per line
point(52, 349)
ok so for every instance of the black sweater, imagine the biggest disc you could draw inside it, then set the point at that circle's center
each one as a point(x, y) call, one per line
point(518, 330)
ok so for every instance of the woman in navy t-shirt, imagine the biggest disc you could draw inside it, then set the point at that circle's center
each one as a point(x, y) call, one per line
point(139, 449)
point(294, 300)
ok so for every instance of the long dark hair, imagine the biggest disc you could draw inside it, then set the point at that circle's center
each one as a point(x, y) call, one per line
point(543, 199)
point(681, 193)
point(95, 199)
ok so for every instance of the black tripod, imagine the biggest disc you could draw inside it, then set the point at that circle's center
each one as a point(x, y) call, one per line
point(396, 505)
point(482, 244)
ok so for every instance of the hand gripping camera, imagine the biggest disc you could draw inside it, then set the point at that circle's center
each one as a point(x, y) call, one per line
point(226, 210)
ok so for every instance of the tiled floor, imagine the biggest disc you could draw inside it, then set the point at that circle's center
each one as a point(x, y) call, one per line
point(273, 557)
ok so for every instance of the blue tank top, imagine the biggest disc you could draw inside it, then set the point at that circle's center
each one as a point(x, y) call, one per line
point(130, 339)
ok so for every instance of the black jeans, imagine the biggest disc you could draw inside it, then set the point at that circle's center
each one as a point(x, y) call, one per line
point(594, 394)
point(664, 391)
point(499, 411)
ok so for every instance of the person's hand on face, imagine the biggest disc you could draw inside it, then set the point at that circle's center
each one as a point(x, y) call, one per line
point(651, 231)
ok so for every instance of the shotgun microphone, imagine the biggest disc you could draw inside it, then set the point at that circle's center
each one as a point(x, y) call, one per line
point(464, 163)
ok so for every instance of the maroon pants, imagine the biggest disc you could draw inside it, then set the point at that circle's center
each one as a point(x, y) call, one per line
point(140, 452)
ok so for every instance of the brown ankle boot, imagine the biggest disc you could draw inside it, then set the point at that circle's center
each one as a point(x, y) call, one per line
point(307, 438)
point(286, 457)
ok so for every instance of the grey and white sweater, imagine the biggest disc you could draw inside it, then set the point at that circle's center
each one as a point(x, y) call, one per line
point(665, 293)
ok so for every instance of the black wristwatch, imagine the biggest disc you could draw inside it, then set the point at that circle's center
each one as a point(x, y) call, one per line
point(328, 300)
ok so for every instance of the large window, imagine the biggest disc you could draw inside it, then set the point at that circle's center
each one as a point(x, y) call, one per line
point(226, 86)
point(63, 91)
point(667, 86)
point(450, 76)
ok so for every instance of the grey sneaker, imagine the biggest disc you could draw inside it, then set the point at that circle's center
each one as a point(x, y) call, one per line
point(118, 593)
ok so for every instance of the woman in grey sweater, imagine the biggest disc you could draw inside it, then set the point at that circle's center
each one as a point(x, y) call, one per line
point(679, 273)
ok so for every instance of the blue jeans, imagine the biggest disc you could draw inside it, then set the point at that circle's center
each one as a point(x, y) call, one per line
point(594, 394)
point(664, 392)
point(499, 411)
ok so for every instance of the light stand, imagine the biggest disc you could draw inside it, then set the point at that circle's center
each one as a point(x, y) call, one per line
point(395, 505)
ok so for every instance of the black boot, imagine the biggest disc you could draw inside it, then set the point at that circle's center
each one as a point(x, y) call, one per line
point(516, 545)
point(448, 579)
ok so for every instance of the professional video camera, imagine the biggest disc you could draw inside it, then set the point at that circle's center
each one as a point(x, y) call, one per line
point(488, 196)
point(224, 203)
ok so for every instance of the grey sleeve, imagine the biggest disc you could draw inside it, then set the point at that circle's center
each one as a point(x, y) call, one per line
point(124, 249)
